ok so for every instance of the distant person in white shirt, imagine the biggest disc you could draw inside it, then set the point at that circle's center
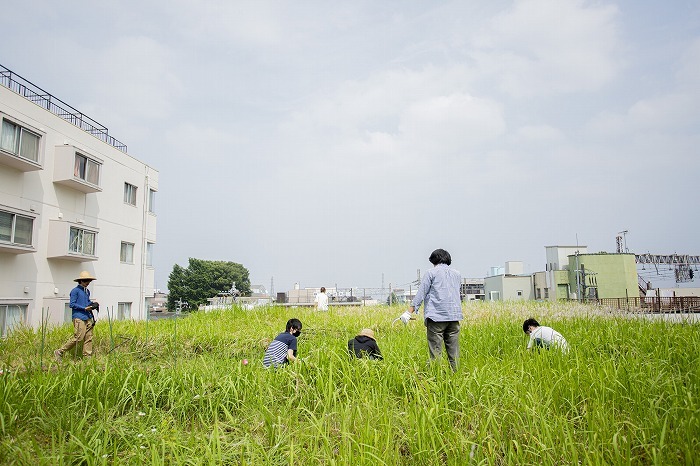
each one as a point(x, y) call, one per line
point(544, 337)
point(322, 300)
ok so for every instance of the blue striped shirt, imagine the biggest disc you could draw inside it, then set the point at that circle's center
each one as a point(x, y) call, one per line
point(276, 353)
point(439, 291)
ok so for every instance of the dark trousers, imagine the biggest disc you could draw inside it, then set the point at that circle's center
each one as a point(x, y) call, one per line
point(446, 333)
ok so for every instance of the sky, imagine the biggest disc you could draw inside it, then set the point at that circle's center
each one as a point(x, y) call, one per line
point(334, 143)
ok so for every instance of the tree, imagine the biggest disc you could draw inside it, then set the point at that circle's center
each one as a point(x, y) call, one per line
point(204, 279)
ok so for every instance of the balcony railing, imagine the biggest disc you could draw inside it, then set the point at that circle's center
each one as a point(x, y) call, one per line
point(56, 106)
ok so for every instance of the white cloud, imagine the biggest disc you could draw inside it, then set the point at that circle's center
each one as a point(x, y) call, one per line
point(675, 110)
point(688, 75)
point(550, 46)
point(136, 75)
point(449, 124)
point(539, 134)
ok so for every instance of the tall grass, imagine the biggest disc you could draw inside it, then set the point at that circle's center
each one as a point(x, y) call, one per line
point(627, 392)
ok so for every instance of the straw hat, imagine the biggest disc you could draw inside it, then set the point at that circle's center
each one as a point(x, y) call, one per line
point(367, 332)
point(84, 275)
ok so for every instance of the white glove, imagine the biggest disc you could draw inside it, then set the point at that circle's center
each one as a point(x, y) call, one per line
point(405, 317)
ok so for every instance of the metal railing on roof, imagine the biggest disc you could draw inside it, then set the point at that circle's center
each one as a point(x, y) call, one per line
point(35, 94)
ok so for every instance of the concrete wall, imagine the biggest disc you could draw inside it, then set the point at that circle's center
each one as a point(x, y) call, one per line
point(43, 277)
point(615, 275)
point(508, 287)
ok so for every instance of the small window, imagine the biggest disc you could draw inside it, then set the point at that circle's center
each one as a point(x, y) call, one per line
point(539, 293)
point(151, 201)
point(87, 169)
point(19, 141)
point(129, 194)
point(16, 229)
point(82, 241)
point(546, 293)
point(149, 254)
point(11, 316)
point(520, 293)
point(123, 311)
point(127, 253)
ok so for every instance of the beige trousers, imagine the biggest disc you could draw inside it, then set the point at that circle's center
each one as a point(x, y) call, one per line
point(82, 332)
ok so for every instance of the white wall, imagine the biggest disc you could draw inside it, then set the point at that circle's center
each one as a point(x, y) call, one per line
point(39, 281)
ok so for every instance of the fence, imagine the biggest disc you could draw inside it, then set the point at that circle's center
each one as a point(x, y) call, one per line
point(56, 106)
point(652, 304)
point(342, 296)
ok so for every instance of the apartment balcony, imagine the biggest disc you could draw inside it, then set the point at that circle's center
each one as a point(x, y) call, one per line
point(72, 241)
point(17, 162)
point(77, 169)
point(20, 146)
point(14, 248)
point(16, 231)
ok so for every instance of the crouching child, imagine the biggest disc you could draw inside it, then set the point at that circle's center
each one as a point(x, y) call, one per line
point(544, 337)
point(283, 349)
point(364, 345)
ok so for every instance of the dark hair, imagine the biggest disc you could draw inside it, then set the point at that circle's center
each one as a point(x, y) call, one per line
point(440, 256)
point(323, 289)
point(529, 322)
point(293, 323)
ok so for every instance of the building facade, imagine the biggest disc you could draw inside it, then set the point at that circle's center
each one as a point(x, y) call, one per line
point(511, 285)
point(603, 275)
point(71, 199)
point(472, 289)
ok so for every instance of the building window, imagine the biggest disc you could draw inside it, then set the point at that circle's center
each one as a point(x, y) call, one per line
point(127, 253)
point(16, 229)
point(546, 293)
point(82, 241)
point(149, 254)
point(87, 169)
point(123, 311)
point(520, 293)
point(151, 201)
point(129, 194)
point(11, 316)
point(539, 293)
point(19, 141)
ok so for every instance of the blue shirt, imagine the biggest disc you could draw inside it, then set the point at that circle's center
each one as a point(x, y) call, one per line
point(439, 291)
point(79, 300)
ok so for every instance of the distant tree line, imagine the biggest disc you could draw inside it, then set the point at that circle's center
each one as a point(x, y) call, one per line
point(203, 279)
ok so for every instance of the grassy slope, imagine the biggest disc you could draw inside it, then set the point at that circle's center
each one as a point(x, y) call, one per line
point(177, 393)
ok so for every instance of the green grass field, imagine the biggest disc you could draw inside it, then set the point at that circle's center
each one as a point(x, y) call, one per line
point(176, 392)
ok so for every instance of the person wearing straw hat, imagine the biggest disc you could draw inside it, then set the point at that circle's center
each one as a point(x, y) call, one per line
point(364, 344)
point(83, 318)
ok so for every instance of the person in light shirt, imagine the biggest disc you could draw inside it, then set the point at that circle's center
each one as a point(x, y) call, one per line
point(322, 300)
point(544, 337)
point(442, 306)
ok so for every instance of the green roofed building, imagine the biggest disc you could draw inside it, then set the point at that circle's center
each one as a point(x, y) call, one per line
point(602, 275)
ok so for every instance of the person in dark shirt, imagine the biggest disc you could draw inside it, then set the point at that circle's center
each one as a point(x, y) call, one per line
point(364, 345)
point(283, 348)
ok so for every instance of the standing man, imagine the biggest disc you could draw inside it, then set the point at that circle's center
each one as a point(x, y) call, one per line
point(439, 291)
point(83, 318)
point(322, 300)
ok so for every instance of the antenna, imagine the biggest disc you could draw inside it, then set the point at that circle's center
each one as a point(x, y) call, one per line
point(622, 241)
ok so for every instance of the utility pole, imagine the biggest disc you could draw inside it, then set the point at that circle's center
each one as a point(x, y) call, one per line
point(578, 278)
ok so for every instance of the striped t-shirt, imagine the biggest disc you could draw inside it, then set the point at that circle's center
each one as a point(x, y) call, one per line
point(276, 353)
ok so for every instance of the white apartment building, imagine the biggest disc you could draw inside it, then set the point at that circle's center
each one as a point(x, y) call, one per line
point(71, 199)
